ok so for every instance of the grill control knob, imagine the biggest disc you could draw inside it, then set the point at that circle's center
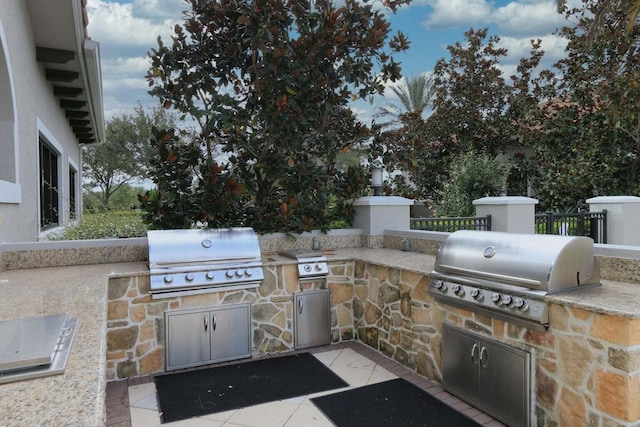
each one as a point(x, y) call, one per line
point(506, 300)
point(496, 297)
point(189, 277)
point(318, 267)
point(458, 290)
point(441, 286)
point(239, 273)
point(307, 268)
point(209, 275)
point(229, 274)
point(476, 294)
point(248, 272)
point(168, 279)
point(520, 304)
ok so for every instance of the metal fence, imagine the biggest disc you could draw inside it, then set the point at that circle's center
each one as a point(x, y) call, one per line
point(590, 224)
point(452, 224)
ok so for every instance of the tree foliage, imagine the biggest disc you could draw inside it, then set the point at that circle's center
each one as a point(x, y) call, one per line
point(476, 111)
point(269, 83)
point(569, 133)
point(590, 139)
point(472, 177)
point(125, 154)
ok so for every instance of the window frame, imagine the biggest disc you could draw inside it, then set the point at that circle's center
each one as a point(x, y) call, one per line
point(10, 189)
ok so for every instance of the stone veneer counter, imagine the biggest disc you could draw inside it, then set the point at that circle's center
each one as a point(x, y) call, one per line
point(76, 397)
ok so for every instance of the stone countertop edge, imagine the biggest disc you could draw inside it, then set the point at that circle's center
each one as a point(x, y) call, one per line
point(76, 397)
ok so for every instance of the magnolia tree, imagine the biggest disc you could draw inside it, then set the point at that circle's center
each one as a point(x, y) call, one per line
point(268, 83)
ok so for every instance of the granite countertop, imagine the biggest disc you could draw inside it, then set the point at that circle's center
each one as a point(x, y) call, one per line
point(414, 261)
point(76, 397)
point(613, 298)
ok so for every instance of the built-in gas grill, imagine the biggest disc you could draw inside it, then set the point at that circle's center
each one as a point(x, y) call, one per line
point(311, 264)
point(508, 275)
point(186, 262)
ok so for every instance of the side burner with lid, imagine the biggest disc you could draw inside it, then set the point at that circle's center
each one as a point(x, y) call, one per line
point(311, 264)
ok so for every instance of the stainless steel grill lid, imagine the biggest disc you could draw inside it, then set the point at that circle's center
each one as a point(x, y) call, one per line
point(189, 260)
point(200, 247)
point(537, 261)
point(509, 274)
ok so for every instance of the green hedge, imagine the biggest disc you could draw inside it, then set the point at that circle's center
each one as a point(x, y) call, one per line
point(104, 225)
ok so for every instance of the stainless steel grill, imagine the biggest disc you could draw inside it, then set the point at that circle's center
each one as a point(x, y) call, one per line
point(508, 275)
point(185, 262)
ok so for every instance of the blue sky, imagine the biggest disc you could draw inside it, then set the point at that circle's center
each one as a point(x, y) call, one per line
point(127, 30)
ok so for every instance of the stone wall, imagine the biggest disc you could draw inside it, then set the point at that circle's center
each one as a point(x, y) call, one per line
point(135, 328)
point(586, 365)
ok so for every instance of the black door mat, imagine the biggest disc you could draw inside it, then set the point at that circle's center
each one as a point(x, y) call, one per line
point(390, 403)
point(207, 391)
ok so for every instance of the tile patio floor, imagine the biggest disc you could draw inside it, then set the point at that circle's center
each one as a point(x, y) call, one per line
point(133, 403)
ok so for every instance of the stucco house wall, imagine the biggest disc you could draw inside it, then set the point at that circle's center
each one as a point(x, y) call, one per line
point(32, 109)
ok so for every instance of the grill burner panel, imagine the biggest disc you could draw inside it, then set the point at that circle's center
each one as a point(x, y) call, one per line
point(185, 262)
point(311, 264)
point(508, 275)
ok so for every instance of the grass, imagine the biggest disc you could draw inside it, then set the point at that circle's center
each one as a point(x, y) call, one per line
point(104, 225)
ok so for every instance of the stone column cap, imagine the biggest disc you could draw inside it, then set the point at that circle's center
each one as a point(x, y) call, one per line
point(383, 201)
point(506, 200)
point(613, 199)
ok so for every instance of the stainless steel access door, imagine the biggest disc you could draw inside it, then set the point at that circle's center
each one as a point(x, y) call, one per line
point(206, 335)
point(312, 318)
point(488, 374)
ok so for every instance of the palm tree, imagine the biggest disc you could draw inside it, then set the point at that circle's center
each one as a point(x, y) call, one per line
point(415, 94)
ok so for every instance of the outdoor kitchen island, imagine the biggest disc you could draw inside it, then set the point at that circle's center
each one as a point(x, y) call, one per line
point(587, 366)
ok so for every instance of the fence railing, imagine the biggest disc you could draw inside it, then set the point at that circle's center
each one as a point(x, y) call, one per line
point(590, 224)
point(452, 224)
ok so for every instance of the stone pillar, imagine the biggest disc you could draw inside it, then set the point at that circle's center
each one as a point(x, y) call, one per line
point(623, 218)
point(512, 214)
point(374, 214)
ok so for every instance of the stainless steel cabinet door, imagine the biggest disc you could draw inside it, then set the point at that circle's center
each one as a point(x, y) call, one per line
point(460, 358)
point(502, 374)
point(231, 332)
point(312, 318)
point(188, 342)
point(488, 374)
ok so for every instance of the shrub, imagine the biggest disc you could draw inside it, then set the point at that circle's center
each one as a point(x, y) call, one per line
point(104, 225)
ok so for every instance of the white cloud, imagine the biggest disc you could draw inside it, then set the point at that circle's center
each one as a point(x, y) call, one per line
point(455, 13)
point(520, 47)
point(122, 26)
point(528, 18)
point(160, 9)
point(126, 32)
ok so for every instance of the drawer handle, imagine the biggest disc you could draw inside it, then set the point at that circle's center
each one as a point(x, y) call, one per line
point(206, 322)
point(214, 322)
